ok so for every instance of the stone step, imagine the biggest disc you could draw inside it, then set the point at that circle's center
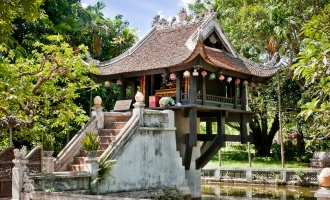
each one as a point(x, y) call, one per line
point(75, 168)
point(114, 125)
point(106, 139)
point(116, 118)
point(104, 146)
point(99, 152)
point(79, 160)
point(108, 132)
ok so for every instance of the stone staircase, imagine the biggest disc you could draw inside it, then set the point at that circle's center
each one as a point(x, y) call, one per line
point(113, 124)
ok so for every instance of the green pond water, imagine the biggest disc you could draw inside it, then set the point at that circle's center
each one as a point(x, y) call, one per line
point(244, 191)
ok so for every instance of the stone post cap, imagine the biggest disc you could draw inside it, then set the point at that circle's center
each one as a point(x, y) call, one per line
point(139, 97)
point(97, 100)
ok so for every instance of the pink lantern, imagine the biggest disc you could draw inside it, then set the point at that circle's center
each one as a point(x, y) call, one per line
point(172, 76)
point(204, 73)
point(119, 82)
point(237, 81)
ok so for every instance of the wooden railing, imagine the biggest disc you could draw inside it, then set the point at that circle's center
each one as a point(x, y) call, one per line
point(212, 99)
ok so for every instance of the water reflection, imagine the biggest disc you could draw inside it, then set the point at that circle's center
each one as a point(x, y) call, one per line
point(243, 191)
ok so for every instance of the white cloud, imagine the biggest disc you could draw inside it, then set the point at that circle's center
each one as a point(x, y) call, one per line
point(184, 3)
point(84, 5)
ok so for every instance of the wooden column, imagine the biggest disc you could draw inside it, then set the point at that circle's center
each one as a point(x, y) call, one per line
point(204, 91)
point(244, 128)
point(191, 140)
point(235, 96)
point(147, 89)
point(134, 89)
point(123, 90)
point(178, 88)
point(193, 90)
point(221, 116)
point(208, 127)
point(244, 97)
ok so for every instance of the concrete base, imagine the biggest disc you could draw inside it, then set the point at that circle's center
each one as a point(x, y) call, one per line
point(48, 164)
point(323, 194)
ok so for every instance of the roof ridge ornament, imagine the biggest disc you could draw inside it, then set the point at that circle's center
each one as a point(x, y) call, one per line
point(155, 21)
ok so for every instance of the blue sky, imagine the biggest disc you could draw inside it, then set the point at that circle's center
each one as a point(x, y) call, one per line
point(140, 13)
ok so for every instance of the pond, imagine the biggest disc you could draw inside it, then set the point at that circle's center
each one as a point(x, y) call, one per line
point(245, 191)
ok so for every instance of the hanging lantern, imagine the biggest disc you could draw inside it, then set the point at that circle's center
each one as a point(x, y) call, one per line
point(222, 77)
point(172, 76)
point(186, 74)
point(245, 82)
point(107, 83)
point(237, 81)
point(204, 73)
point(229, 79)
point(252, 84)
point(212, 76)
point(119, 82)
point(195, 73)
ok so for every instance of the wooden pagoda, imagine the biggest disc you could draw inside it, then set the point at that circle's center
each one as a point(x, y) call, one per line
point(194, 63)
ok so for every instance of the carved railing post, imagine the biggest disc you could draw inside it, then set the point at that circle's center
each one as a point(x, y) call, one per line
point(18, 172)
point(98, 112)
point(139, 106)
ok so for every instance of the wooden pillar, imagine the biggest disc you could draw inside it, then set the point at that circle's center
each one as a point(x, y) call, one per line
point(235, 96)
point(123, 91)
point(193, 90)
point(221, 116)
point(147, 89)
point(204, 91)
point(243, 128)
point(178, 88)
point(244, 96)
point(208, 127)
point(134, 89)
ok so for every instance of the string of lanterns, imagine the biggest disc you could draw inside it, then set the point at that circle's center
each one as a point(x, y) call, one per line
point(212, 76)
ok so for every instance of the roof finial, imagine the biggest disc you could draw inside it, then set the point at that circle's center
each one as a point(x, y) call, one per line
point(182, 14)
point(155, 21)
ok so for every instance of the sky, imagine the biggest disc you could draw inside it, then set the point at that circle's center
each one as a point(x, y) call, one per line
point(140, 13)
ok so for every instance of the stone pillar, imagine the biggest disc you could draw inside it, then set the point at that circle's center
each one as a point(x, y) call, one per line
point(18, 171)
point(98, 112)
point(249, 176)
point(193, 175)
point(92, 165)
point(48, 164)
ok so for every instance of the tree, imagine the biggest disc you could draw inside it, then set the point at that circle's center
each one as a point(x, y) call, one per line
point(259, 30)
point(313, 68)
point(38, 91)
point(11, 10)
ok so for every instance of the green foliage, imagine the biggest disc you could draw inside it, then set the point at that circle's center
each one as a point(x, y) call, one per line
point(312, 68)
point(90, 142)
point(11, 10)
point(48, 142)
point(38, 90)
point(104, 169)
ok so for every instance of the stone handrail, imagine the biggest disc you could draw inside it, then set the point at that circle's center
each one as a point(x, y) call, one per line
point(72, 148)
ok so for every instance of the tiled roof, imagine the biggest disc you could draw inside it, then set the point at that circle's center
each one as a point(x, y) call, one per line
point(227, 61)
point(167, 47)
point(163, 48)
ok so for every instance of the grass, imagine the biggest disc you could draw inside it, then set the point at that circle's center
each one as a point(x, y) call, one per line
point(236, 157)
point(259, 164)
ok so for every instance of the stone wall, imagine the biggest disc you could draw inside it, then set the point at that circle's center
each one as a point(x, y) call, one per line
point(149, 160)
